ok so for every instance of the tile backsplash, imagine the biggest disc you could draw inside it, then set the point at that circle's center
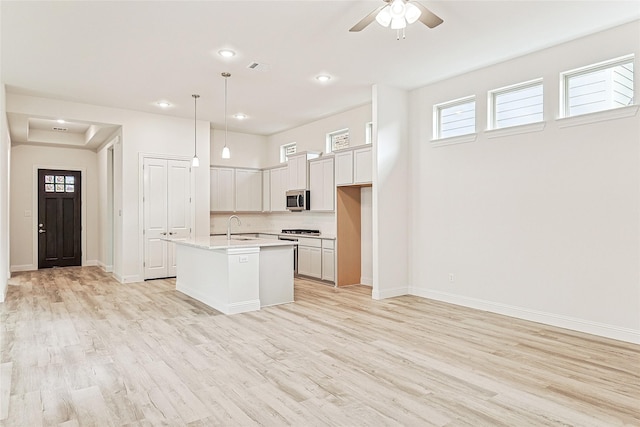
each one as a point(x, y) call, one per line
point(251, 222)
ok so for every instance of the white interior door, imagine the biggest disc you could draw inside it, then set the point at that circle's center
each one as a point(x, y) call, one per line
point(179, 207)
point(167, 213)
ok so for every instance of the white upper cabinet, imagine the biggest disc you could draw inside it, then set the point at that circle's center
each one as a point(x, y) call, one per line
point(321, 184)
point(278, 189)
point(266, 191)
point(354, 166)
point(248, 190)
point(297, 171)
point(362, 166)
point(344, 168)
point(221, 189)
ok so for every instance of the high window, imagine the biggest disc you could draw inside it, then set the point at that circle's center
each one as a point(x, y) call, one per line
point(337, 140)
point(515, 105)
point(455, 118)
point(598, 87)
point(287, 150)
point(368, 130)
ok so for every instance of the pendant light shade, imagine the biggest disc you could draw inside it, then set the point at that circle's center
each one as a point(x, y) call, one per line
point(195, 162)
point(226, 153)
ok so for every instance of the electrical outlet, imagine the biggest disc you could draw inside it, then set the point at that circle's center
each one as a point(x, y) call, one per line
point(452, 278)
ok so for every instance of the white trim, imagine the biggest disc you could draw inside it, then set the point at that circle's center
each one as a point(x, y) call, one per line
point(104, 267)
point(461, 139)
point(367, 281)
point(551, 319)
point(83, 209)
point(91, 263)
point(389, 293)
point(23, 267)
point(598, 116)
point(134, 278)
point(491, 99)
point(515, 130)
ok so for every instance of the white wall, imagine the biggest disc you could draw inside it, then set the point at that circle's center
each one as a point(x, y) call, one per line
point(312, 136)
point(5, 168)
point(390, 192)
point(366, 236)
point(542, 225)
point(141, 133)
point(248, 151)
point(25, 160)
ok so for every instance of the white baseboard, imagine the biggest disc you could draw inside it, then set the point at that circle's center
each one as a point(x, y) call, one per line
point(389, 293)
point(90, 263)
point(566, 322)
point(105, 268)
point(24, 267)
point(134, 278)
point(366, 281)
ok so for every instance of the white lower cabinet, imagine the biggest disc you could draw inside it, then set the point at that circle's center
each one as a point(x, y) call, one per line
point(310, 257)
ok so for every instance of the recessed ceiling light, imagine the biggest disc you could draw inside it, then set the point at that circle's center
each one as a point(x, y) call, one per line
point(240, 116)
point(226, 53)
point(323, 78)
point(163, 104)
point(61, 121)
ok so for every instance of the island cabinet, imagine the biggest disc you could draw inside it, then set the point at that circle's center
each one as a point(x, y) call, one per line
point(248, 186)
point(297, 170)
point(221, 189)
point(354, 166)
point(321, 184)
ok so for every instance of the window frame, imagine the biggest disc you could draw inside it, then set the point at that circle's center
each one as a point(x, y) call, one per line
point(565, 76)
point(283, 151)
point(492, 118)
point(437, 109)
point(329, 139)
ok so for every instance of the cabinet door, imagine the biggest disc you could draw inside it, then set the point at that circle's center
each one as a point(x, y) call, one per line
point(304, 260)
point(278, 185)
point(248, 190)
point(222, 189)
point(344, 168)
point(315, 258)
point(328, 265)
point(316, 185)
point(328, 185)
point(266, 191)
point(297, 172)
point(362, 166)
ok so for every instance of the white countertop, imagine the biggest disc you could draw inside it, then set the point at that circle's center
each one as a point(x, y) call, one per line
point(277, 233)
point(221, 242)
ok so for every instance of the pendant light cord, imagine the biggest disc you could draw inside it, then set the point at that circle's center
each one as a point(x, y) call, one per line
point(226, 76)
point(195, 125)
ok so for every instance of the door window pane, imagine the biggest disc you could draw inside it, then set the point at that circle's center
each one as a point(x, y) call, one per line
point(59, 179)
point(49, 188)
point(69, 179)
point(59, 188)
point(69, 188)
point(48, 179)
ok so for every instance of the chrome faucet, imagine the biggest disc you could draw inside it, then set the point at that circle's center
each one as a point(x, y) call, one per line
point(229, 225)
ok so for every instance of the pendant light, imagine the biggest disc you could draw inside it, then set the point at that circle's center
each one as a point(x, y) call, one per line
point(195, 162)
point(226, 154)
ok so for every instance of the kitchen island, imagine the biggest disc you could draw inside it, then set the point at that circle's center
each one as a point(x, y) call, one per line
point(236, 275)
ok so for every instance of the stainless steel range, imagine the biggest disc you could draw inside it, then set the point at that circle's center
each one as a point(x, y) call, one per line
point(292, 234)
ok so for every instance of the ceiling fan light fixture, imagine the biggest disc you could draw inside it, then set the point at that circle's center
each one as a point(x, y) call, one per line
point(384, 17)
point(397, 9)
point(413, 13)
point(398, 23)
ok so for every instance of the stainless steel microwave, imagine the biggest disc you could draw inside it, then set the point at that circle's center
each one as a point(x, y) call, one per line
point(298, 200)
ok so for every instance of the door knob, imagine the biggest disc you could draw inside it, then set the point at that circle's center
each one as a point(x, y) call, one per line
point(171, 233)
point(163, 233)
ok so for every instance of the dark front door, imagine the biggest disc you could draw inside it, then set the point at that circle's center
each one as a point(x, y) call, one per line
point(59, 224)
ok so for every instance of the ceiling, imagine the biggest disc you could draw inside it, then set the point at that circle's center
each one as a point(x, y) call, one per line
point(131, 55)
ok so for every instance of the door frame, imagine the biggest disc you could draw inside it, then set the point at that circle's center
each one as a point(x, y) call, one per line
point(141, 157)
point(83, 210)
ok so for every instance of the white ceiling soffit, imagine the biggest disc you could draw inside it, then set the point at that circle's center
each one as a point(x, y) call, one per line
point(130, 55)
point(44, 131)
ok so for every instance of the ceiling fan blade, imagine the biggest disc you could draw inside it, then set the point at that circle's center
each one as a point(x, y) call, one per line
point(367, 20)
point(427, 17)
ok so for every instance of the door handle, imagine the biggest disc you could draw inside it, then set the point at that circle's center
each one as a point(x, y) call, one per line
point(163, 233)
point(170, 233)
point(42, 231)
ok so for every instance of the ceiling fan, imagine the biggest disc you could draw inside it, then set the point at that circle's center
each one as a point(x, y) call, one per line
point(397, 14)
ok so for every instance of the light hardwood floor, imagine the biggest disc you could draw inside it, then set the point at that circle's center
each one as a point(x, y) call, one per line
point(79, 349)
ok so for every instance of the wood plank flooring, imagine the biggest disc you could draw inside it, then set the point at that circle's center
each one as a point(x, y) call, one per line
point(80, 349)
